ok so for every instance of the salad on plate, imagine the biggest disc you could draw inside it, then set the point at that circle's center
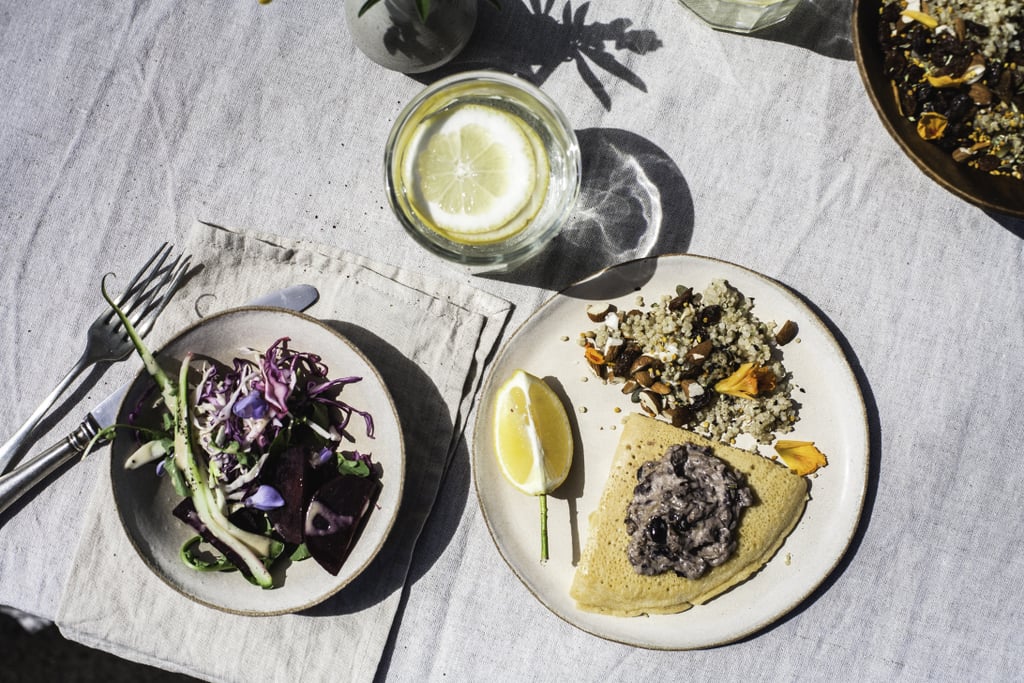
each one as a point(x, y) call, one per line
point(262, 454)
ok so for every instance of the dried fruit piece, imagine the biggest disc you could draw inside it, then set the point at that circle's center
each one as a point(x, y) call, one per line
point(972, 74)
point(749, 380)
point(802, 457)
point(683, 297)
point(596, 361)
point(944, 81)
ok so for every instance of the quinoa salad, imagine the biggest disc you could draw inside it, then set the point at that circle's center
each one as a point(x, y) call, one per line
point(700, 360)
point(957, 69)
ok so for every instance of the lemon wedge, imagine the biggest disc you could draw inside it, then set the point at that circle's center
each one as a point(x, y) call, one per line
point(475, 174)
point(532, 439)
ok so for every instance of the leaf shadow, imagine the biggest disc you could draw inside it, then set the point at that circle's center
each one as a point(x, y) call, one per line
point(531, 41)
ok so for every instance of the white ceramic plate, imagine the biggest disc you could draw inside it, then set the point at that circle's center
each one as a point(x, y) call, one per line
point(832, 415)
point(144, 501)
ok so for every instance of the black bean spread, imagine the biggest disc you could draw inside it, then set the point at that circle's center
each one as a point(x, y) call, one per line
point(684, 514)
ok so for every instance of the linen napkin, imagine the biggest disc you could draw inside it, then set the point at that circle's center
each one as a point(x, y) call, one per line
point(428, 338)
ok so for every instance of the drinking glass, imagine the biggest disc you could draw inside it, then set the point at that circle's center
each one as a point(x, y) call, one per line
point(741, 16)
point(520, 105)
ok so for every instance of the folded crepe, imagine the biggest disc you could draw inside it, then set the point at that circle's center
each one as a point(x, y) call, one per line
point(606, 582)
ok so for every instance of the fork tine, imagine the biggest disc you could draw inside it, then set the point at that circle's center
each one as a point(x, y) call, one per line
point(149, 288)
point(152, 312)
point(152, 296)
point(162, 253)
point(158, 257)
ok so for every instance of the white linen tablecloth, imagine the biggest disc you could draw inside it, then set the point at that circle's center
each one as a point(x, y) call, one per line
point(123, 122)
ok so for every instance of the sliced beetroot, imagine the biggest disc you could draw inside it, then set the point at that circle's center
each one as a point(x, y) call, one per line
point(336, 516)
point(289, 474)
point(186, 512)
point(249, 519)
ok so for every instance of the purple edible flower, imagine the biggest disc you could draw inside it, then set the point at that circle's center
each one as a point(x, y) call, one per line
point(252, 405)
point(265, 498)
point(323, 457)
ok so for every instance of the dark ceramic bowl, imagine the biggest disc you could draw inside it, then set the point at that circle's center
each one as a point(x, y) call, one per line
point(996, 193)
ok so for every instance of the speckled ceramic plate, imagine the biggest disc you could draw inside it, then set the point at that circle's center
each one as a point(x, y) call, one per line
point(144, 501)
point(832, 415)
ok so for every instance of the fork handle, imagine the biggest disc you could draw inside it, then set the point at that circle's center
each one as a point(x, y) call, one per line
point(24, 478)
point(14, 445)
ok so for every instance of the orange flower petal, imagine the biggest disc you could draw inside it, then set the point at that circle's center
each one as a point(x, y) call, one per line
point(593, 356)
point(749, 380)
point(800, 456)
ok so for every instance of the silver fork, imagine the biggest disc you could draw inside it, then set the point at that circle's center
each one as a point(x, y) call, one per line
point(107, 341)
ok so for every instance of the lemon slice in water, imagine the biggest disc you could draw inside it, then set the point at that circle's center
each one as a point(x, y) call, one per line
point(532, 439)
point(475, 174)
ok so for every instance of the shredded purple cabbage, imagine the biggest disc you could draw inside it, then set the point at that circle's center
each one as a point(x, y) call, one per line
point(250, 403)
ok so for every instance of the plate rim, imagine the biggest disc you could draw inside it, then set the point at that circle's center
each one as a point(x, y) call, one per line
point(861, 492)
point(335, 588)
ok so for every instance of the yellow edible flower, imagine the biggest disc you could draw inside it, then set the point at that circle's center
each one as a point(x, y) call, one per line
point(931, 126)
point(944, 81)
point(749, 380)
point(800, 456)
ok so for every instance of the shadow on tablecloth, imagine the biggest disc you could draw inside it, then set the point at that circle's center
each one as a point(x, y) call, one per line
point(634, 202)
point(822, 26)
point(416, 391)
point(1014, 225)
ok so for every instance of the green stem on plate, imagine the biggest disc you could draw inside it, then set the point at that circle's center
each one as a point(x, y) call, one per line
point(543, 527)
